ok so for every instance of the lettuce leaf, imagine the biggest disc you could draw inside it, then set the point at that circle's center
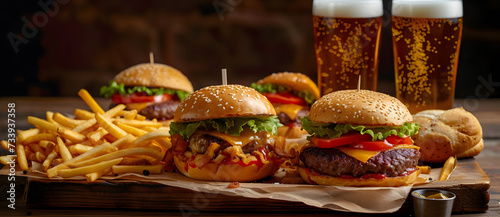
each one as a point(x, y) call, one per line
point(328, 130)
point(275, 88)
point(113, 87)
point(230, 126)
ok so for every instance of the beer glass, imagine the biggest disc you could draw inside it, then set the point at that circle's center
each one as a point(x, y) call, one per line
point(426, 37)
point(347, 41)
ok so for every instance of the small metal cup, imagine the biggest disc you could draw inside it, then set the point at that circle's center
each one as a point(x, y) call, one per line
point(427, 207)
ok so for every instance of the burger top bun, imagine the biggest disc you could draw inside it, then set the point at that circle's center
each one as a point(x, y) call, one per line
point(154, 75)
point(294, 80)
point(223, 101)
point(359, 107)
point(445, 133)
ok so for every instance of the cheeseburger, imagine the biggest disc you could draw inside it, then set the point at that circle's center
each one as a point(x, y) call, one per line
point(154, 90)
point(291, 95)
point(226, 133)
point(359, 138)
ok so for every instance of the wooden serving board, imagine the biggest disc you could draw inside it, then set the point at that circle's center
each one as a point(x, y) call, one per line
point(468, 182)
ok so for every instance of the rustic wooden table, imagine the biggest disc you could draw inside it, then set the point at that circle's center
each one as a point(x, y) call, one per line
point(486, 110)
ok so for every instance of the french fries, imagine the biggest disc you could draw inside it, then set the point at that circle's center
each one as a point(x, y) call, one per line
point(123, 141)
point(139, 123)
point(81, 114)
point(21, 157)
point(91, 177)
point(40, 137)
point(150, 136)
point(92, 143)
point(120, 154)
point(24, 134)
point(6, 159)
point(5, 144)
point(78, 149)
point(97, 151)
point(65, 121)
point(63, 150)
point(110, 127)
point(52, 127)
point(424, 169)
point(48, 161)
point(81, 171)
point(87, 98)
point(448, 167)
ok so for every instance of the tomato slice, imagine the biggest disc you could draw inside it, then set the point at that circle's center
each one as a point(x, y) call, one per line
point(356, 140)
point(345, 139)
point(139, 98)
point(284, 98)
point(380, 145)
point(406, 141)
point(372, 145)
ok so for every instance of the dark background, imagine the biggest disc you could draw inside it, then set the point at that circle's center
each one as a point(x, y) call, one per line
point(77, 44)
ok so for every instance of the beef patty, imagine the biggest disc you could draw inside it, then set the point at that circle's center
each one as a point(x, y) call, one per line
point(161, 111)
point(333, 162)
point(286, 120)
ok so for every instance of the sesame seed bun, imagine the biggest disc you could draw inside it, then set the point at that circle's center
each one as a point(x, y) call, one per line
point(446, 133)
point(154, 75)
point(294, 80)
point(223, 101)
point(363, 107)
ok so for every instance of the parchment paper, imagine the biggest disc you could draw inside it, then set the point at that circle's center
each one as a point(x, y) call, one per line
point(347, 199)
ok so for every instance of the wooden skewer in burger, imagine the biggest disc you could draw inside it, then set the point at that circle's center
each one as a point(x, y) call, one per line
point(359, 138)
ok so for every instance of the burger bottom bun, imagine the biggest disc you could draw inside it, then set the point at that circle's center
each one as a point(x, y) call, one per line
point(227, 172)
point(357, 182)
point(291, 132)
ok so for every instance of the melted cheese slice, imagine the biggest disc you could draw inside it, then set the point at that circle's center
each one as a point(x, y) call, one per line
point(138, 106)
point(289, 109)
point(365, 155)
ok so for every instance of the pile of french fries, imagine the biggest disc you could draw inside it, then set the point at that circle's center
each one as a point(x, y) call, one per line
point(92, 143)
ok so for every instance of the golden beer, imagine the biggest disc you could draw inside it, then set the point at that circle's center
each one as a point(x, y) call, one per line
point(426, 54)
point(347, 43)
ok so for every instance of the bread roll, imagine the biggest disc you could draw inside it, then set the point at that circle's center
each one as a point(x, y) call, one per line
point(445, 133)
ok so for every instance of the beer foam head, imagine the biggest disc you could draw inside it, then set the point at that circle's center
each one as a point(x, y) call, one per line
point(348, 8)
point(427, 8)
